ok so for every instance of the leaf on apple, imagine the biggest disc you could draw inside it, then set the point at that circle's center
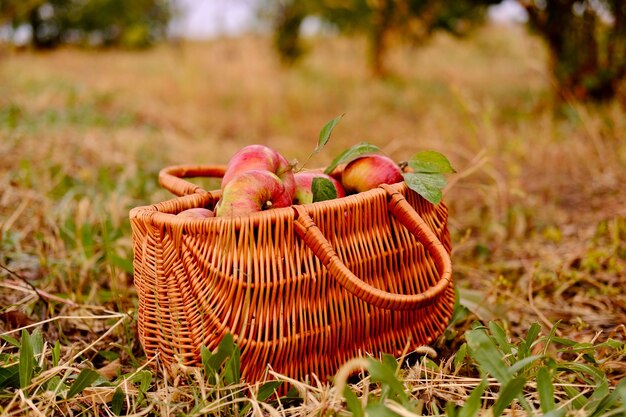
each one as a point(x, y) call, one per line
point(427, 177)
point(323, 189)
point(350, 154)
point(431, 162)
point(428, 185)
point(325, 133)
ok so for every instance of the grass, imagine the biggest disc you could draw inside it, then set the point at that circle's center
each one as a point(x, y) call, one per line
point(537, 216)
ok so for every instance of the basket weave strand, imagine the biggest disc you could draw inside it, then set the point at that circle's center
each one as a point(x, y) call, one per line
point(302, 288)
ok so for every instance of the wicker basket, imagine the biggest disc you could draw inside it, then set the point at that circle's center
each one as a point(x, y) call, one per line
point(302, 288)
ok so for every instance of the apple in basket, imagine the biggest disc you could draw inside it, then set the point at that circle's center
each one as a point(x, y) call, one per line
point(252, 191)
point(196, 213)
point(304, 186)
point(260, 157)
point(368, 172)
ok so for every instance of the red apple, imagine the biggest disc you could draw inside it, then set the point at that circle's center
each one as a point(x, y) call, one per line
point(369, 171)
point(260, 157)
point(252, 191)
point(196, 213)
point(304, 184)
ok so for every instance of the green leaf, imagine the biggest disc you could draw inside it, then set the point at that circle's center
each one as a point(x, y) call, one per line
point(352, 402)
point(144, 378)
point(268, 389)
point(578, 400)
point(213, 362)
point(428, 186)
point(323, 189)
point(582, 369)
point(430, 162)
point(508, 393)
point(10, 377)
point(117, 402)
point(483, 349)
point(525, 347)
point(36, 341)
point(545, 389)
point(232, 372)
point(325, 133)
point(265, 391)
point(386, 375)
point(85, 379)
point(459, 357)
point(499, 335)
point(350, 154)
point(54, 384)
point(390, 361)
point(379, 410)
point(56, 353)
point(11, 340)
point(521, 364)
point(474, 401)
point(27, 360)
point(560, 412)
point(610, 400)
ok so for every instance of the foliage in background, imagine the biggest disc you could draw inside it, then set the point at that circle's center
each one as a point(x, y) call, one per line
point(587, 43)
point(135, 24)
point(381, 21)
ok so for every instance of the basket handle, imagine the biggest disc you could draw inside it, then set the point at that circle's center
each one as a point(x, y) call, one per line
point(171, 178)
point(406, 214)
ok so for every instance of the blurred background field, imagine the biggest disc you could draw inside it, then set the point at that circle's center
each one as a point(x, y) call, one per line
point(537, 206)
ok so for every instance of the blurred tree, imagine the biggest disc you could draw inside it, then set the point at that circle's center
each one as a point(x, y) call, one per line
point(136, 23)
point(380, 20)
point(587, 43)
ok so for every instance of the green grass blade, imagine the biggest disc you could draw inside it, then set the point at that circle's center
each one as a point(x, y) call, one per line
point(84, 380)
point(474, 402)
point(117, 402)
point(545, 389)
point(27, 360)
point(508, 393)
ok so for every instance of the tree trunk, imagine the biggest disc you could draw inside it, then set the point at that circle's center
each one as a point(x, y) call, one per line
point(587, 55)
point(379, 37)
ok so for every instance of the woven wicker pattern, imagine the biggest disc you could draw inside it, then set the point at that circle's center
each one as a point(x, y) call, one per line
point(302, 288)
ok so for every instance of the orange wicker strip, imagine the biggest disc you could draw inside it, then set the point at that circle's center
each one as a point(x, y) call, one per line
point(302, 288)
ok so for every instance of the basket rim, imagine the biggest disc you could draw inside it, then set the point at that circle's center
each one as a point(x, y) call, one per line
point(158, 214)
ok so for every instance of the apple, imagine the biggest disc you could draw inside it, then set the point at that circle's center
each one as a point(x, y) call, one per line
point(304, 184)
point(196, 213)
point(252, 191)
point(369, 171)
point(260, 157)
